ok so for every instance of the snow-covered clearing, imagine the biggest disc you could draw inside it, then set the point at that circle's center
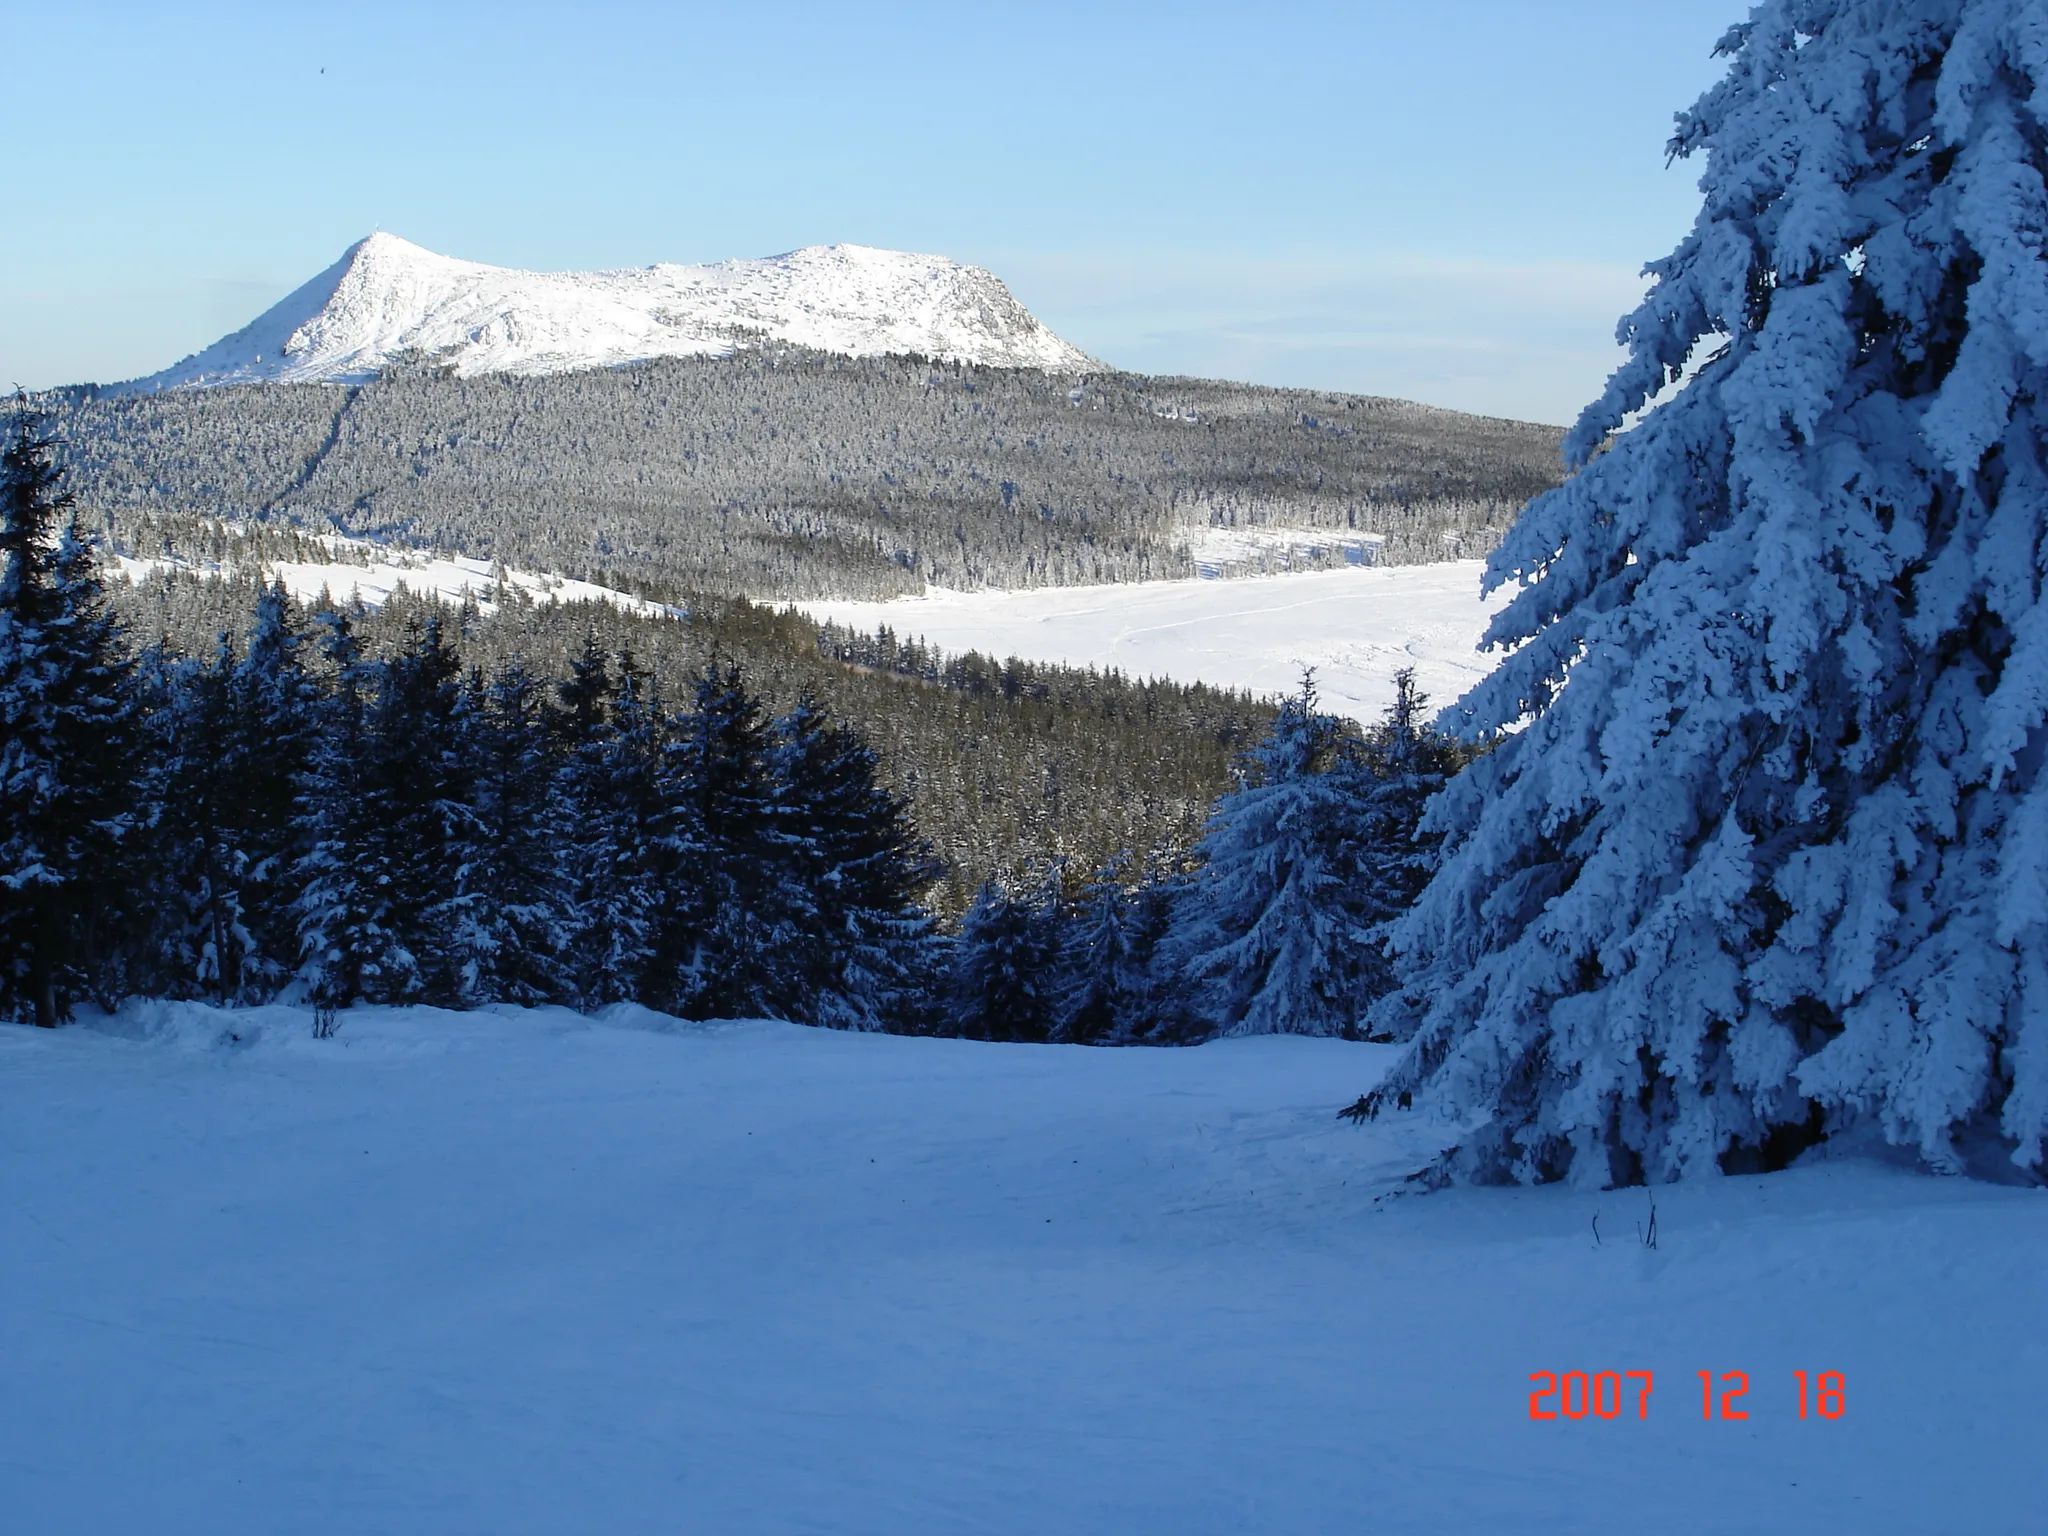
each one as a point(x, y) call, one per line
point(371, 573)
point(1356, 627)
point(513, 1272)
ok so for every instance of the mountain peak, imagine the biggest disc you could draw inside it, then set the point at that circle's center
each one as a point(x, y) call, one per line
point(387, 298)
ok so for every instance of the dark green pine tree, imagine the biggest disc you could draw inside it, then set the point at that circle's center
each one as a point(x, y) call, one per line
point(738, 904)
point(1406, 761)
point(200, 944)
point(274, 708)
point(609, 810)
point(864, 948)
point(338, 913)
point(420, 797)
point(68, 744)
point(1100, 987)
point(510, 924)
point(1004, 974)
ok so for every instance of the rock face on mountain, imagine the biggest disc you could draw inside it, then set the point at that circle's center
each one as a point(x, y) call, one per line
point(388, 300)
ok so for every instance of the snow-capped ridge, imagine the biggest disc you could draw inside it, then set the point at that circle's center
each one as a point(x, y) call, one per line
point(387, 300)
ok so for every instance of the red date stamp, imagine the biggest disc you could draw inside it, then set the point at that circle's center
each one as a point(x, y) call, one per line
point(1602, 1394)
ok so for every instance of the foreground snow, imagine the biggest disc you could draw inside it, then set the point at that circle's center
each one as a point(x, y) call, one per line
point(531, 1272)
point(1357, 627)
point(388, 299)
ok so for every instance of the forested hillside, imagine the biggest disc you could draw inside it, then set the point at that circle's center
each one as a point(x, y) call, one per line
point(1007, 765)
point(788, 474)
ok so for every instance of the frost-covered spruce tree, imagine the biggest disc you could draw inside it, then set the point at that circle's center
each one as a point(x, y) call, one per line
point(337, 913)
point(1771, 854)
point(1272, 934)
point(509, 912)
point(199, 939)
point(275, 714)
point(67, 741)
point(608, 821)
point(1003, 970)
point(1101, 984)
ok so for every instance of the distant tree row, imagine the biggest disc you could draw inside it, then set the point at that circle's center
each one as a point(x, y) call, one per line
point(1271, 926)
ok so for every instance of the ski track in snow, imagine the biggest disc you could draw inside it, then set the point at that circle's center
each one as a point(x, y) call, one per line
point(1355, 626)
point(530, 1272)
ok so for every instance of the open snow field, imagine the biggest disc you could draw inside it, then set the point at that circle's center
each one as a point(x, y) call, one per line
point(528, 1272)
point(1357, 627)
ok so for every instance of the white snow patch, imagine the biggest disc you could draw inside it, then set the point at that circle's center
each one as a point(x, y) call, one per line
point(1356, 627)
point(526, 1271)
point(387, 299)
point(1220, 552)
point(371, 573)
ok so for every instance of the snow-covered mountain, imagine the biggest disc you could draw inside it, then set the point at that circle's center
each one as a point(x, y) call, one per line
point(387, 298)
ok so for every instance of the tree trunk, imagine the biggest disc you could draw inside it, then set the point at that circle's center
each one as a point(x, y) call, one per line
point(42, 969)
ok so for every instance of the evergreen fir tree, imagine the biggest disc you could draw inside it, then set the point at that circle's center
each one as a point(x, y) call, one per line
point(274, 717)
point(421, 802)
point(338, 911)
point(1273, 934)
point(862, 949)
point(730, 945)
point(1102, 968)
point(610, 804)
point(229, 741)
point(509, 911)
point(1770, 854)
point(201, 943)
point(67, 743)
point(1004, 969)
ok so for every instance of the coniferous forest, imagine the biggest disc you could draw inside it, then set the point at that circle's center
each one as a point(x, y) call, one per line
point(581, 807)
point(786, 474)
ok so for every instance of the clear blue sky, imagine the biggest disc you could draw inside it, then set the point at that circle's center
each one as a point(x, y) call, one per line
point(1446, 200)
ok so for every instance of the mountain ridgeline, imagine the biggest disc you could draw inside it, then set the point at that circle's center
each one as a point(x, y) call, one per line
point(775, 474)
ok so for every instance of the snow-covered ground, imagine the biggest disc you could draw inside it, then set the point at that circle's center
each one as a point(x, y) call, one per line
point(527, 1272)
point(387, 299)
point(1356, 627)
point(370, 573)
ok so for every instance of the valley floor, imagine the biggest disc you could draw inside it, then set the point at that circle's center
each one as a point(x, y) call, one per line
point(1356, 627)
point(529, 1272)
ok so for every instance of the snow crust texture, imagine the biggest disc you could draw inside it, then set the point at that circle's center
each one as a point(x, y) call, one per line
point(1771, 855)
point(529, 1272)
point(388, 301)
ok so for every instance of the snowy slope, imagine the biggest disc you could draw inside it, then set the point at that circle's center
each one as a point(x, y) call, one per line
point(370, 573)
point(1356, 627)
point(534, 1273)
point(387, 298)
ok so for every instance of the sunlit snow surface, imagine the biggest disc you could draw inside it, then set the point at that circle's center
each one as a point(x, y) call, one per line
point(537, 1273)
point(388, 300)
point(376, 572)
point(1356, 627)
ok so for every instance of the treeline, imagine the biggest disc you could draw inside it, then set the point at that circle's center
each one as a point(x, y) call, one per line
point(1271, 926)
point(293, 817)
point(290, 818)
point(782, 474)
point(1012, 765)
